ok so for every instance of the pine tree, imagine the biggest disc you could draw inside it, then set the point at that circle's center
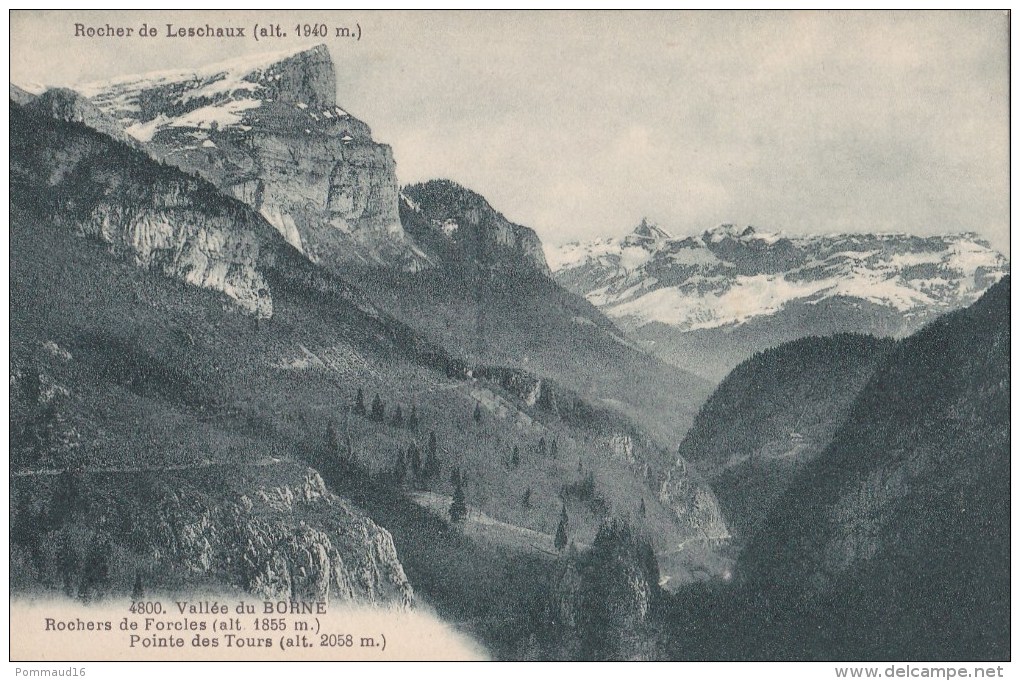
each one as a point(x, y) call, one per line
point(526, 499)
point(342, 448)
point(400, 469)
point(412, 420)
point(95, 579)
point(67, 501)
point(561, 531)
point(348, 455)
point(432, 465)
point(641, 509)
point(541, 446)
point(359, 403)
point(333, 439)
point(515, 457)
point(138, 591)
point(546, 402)
point(398, 417)
point(416, 463)
point(478, 412)
point(67, 565)
point(378, 409)
point(554, 449)
point(458, 508)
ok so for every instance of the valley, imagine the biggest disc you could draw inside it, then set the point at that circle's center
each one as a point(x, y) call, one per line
point(246, 360)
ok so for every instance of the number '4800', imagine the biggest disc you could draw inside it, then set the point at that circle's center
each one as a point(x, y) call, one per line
point(146, 608)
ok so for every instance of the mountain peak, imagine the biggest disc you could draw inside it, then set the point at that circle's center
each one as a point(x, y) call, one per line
point(249, 66)
point(647, 229)
point(729, 231)
point(458, 225)
point(226, 90)
point(266, 128)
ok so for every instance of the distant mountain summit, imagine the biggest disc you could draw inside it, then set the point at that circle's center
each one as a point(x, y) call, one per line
point(647, 233)
point(268, 130)
point(707, 302)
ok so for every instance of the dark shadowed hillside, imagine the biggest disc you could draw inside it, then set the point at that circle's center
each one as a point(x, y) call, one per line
point(772, 415)
point(906, 514)
point(893, 544)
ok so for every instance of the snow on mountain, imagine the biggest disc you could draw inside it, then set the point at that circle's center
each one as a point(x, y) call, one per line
point(210, 93)
point(238, 93)
point(267, 129)
point(730, 274)
point(705, 302)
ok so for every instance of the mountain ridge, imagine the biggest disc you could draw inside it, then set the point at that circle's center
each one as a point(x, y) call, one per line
point(429, 211)
point(716, 298)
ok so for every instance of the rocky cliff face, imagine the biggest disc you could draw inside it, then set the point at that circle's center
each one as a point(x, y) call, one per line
point(707, 302)
point(459, 228)
point(268, 131)
point(202, 250)
point(272, 530)
point(154, 216)
point(693, 504)
point(602, 602)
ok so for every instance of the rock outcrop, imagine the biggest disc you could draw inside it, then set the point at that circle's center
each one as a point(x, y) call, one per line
point(271, 530)
point(268, 131)
point(458, 228)
point(154, 216)
point(183, 243)
point(601, 602)
point(694, 505)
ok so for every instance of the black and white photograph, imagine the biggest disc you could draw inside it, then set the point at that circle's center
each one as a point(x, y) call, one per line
point(675, 336)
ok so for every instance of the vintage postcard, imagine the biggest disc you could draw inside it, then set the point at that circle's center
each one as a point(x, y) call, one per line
point(357, 335)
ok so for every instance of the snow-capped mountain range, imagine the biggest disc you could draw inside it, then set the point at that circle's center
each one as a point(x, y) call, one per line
point(676, 294)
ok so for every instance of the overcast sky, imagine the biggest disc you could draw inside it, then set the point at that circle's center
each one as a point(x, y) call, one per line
point(580, 124)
